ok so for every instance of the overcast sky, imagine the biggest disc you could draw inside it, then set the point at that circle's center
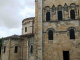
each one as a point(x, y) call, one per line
point(12, 12)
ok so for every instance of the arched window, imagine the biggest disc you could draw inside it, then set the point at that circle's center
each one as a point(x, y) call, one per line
point(72, 14)
point(31, 50)
point(4, 49)
point(50, 35)
point(16, 49)
point(72, 34)
point(59, 15)
point(48, 16)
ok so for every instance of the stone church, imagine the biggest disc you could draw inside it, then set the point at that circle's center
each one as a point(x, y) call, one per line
point(53, 34)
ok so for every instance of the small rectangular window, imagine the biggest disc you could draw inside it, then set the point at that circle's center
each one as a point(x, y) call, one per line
point(25, 29)
point(4, 48)
point(16, 49)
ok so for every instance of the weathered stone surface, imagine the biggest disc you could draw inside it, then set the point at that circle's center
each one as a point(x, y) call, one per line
point(43, 48)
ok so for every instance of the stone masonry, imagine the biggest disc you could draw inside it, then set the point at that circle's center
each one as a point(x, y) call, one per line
point(53, 34)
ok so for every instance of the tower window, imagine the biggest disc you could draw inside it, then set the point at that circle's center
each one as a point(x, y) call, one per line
point(59, 15)
point(25, 29)
point(72, 34)
point(48, 16)
point(4, 49)
point(31, 50)
point(50, 35)
point(72, 14)
point(16, 49)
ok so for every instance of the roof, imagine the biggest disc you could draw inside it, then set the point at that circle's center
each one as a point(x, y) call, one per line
point(13, 37)
point(28, 19)
point(19, 36)
point(27, 35)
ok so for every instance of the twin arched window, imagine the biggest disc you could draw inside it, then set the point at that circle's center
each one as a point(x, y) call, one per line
point(71, 32)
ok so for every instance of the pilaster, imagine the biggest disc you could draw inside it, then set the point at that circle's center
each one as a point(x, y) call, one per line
point(38, 30)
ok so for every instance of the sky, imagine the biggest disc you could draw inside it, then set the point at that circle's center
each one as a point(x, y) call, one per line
point(12, 12)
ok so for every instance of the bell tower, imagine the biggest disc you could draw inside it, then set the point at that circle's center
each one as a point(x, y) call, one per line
point(57, 29)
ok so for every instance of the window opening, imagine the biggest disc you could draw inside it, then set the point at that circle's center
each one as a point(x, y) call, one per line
point(25, 29)
point(48, 16)
point(4, 48)
point(78, 12)
point(72, 34)
point(59, 15)
point(65, 55)
point(16, 49)
point(50, 35)
point(31, 50)
point(72, 13)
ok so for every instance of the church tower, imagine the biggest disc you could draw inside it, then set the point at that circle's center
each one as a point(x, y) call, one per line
point(57, 30)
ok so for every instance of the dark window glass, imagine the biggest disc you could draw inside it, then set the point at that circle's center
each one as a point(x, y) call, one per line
point(72, 14)
point(72, 34)
point(16, 49)
point(31, 50)
point(25, 29)
point(66, 55)
point(48, 16)
point(50, 35)
point(4, 48)
point(59, 15)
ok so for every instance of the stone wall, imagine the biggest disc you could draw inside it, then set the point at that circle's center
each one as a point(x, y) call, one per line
point(46, 49)
point(31, 53)
point(53, 6)
point(29, 23)
point(25, 48)
point(53, 49)
point(10, 49)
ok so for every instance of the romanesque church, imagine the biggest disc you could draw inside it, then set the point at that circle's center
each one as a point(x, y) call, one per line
point(53, 34)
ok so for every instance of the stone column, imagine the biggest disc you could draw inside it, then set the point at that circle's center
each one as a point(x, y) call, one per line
point(50, 14)
point(69, 13)
point(62, 13)
point(56, 14)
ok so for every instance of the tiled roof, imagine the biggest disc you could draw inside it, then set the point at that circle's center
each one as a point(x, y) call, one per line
point(13, 36)
point(27, 35)
point(19, 36)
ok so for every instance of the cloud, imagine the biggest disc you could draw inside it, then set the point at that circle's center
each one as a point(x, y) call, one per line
point(9, 32)
point(12, 12)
